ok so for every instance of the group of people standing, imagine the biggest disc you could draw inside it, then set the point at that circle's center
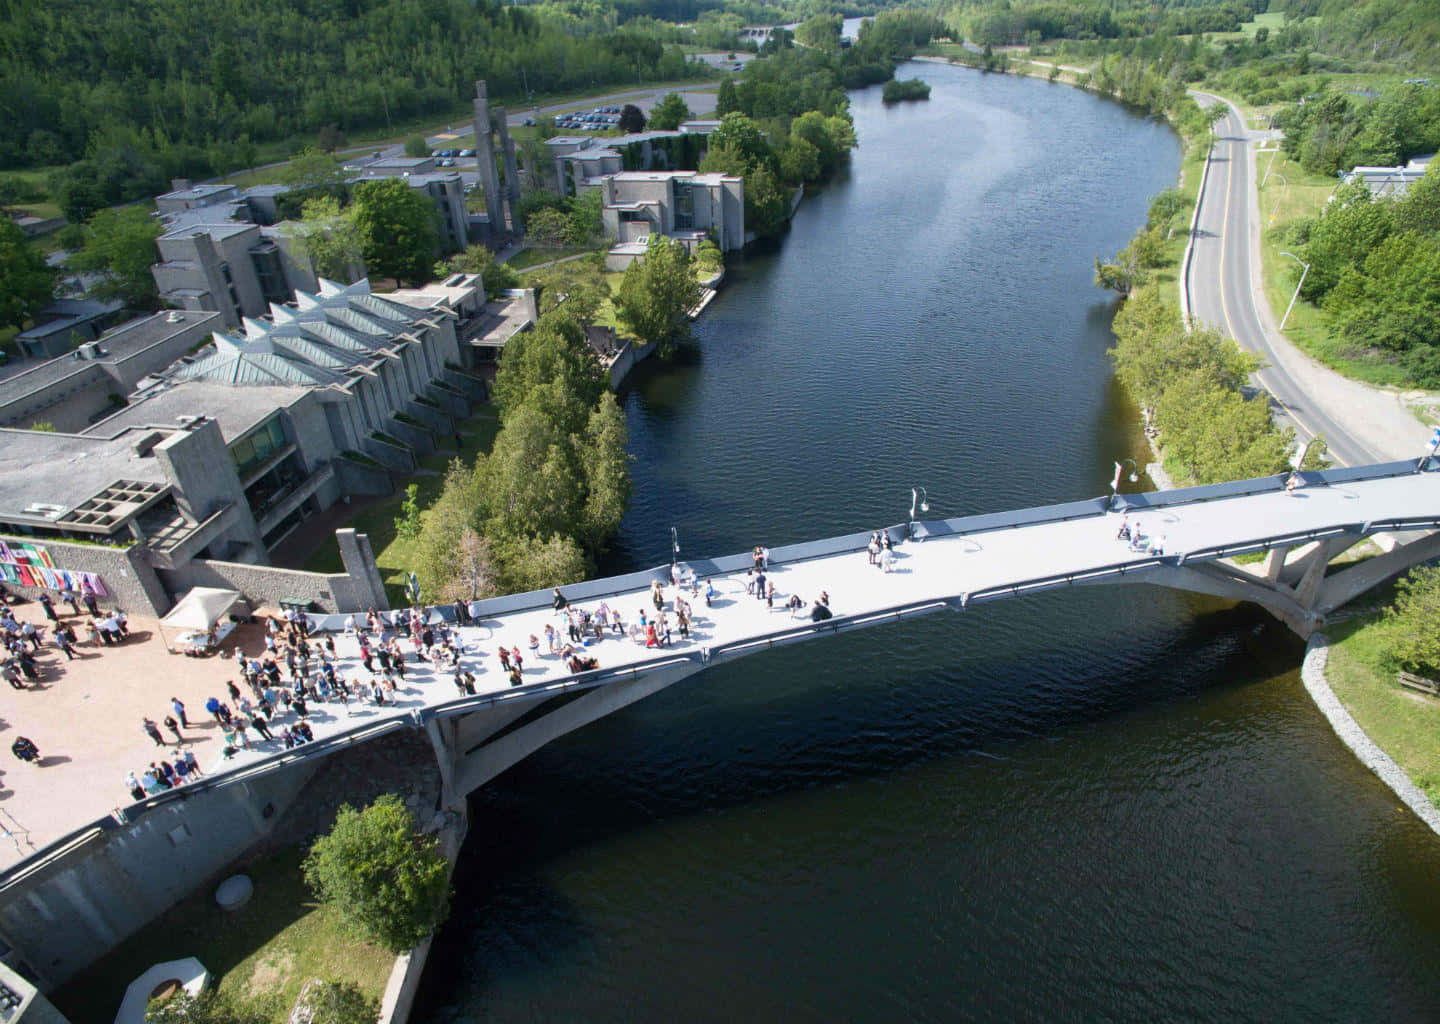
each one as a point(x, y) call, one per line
point(24, 641)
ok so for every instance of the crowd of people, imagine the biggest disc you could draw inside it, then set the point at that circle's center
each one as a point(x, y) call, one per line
point(25, 641)
point(268, 703)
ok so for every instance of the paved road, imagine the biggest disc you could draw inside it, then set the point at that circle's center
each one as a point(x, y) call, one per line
point(1360, 424)
point(700, 102)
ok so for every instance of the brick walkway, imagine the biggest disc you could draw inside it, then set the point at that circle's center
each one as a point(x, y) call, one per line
point(85, 717)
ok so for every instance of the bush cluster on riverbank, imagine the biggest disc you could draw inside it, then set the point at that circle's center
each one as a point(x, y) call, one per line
point(1366, 653)
point(1189, 384)
point(554, 487)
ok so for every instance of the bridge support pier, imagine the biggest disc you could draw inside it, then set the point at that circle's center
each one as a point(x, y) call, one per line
point(441, 733)
point(1294, 584)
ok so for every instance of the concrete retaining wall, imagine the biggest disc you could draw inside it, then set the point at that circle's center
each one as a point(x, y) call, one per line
point(436, 419)
point(358, 478)
point(418, 438)
point(264, 584)
point(67, 912)
point(465, 383)
point(630, 355)
point(129, 580)
point(392, 457)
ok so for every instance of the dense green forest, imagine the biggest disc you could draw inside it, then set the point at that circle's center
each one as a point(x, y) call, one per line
point(191, 83)
point(1336, 132)
point(1375, 271)
point(991, 23)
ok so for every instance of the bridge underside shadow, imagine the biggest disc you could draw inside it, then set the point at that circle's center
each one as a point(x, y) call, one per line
point(1294, 583)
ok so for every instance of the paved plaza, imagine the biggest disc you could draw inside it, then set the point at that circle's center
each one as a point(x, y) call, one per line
point(85, 716)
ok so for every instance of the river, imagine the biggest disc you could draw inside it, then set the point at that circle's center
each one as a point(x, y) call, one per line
point(1097, 803)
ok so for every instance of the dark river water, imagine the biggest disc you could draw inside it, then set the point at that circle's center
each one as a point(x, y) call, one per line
point(1106, 803)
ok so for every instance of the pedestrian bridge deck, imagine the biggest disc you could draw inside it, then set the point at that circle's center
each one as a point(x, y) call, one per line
point(948, 564)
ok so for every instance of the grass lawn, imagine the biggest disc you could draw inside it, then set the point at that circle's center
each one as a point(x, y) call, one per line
point(395, 554)
point(948, 50)
point(606, 315)
point(1404, 724)
point(273, 944)
point(537, 254)
point(1291, 193)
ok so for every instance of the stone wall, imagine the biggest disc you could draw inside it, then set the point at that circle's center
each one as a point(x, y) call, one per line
point(64, 913)
point(264, 585)
point(130, 582)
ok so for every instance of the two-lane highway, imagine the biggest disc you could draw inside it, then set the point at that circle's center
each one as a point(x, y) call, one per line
point(1359, 423)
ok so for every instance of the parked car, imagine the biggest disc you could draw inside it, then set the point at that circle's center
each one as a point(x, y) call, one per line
point(467, 152)
point(529, 122)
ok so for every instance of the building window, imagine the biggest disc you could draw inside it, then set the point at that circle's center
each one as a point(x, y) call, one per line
point(271, 273)
point(684, 206)
point(253, 451)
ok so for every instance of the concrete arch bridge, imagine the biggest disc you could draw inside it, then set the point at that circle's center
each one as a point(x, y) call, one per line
point(102, 880)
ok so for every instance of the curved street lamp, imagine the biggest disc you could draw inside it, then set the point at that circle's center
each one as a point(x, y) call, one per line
point(1115, 483)
point(1284, 184)
point(919, 502)
point(1305, 270)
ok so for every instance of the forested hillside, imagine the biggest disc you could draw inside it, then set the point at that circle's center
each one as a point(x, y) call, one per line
point(207, 75)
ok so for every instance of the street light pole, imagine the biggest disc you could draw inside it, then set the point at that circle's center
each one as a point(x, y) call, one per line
point(1270, 166)
point(1305, 270)
point(1284, 184)
point(919, 500)
point(1115, 483)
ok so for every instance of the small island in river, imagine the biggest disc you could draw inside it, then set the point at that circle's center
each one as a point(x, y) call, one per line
point(910, 89)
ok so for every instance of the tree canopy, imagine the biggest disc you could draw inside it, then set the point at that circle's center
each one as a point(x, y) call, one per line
point(658, 292)
point(380, 875)
point(120, 245)
point(670, 112)
point(26, 283)
point(397, 229)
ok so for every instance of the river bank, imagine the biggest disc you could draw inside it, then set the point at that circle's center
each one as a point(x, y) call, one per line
point(953, 785)
point(1371, 754)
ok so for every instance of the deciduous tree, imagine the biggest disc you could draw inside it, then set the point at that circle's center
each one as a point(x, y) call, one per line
point(380, 875)
point(26, 283)
point(397, 225)
point(670, 112)
point(632, 118)
point(120, 245)
point(658, 292)
point(331, 239)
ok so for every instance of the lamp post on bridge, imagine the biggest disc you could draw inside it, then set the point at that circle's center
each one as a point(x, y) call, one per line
point(919, 500)
point(1434, 444)
point(1115, 483)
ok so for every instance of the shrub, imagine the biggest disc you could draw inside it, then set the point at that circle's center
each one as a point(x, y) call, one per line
point(380, 875)
point(1410, 639)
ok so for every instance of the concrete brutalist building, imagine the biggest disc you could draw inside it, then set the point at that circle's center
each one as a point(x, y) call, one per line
point(684, 205)
point(224, 453)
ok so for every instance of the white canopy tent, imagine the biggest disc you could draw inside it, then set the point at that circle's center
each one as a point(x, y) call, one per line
point(200, 609)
